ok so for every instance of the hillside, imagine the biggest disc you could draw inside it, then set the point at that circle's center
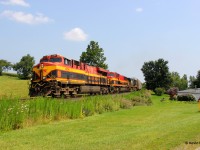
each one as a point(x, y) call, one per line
point(13, 87)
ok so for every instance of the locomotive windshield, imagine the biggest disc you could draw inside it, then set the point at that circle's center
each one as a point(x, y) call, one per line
point(52, 59)
point(55, 59)
point(44, 60)
point(111, 74)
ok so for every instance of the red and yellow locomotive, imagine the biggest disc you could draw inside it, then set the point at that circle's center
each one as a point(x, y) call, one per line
point(58, 76)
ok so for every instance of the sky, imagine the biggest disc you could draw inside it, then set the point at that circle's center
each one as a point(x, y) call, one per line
point(130, 32)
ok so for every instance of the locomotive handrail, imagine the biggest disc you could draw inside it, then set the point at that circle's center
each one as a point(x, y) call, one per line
point(39, 84)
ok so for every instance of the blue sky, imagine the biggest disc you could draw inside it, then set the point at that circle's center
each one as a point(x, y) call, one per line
point(131, 32)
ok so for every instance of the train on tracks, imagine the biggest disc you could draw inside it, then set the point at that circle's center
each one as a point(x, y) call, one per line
point(58, 76)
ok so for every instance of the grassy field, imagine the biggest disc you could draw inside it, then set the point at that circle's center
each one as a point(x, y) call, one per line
point(163, 125)
point(13, 87)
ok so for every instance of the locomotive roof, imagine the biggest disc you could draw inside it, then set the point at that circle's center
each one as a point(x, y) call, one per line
point(102, 70)
point(53, 55)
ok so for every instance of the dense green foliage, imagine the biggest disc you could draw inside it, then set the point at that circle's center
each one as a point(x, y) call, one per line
point(159, 91)
point(4, 66)
point(177, 81)
point(94, 55)
point(195, 82)
point(192, 81)
point(156, 74)
point(187, 97)
point(24, 67)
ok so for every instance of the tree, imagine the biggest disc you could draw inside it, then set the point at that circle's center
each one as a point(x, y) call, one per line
point(184, 83)
point(94, 56)
point(4, 65)
point(24, 67)
point(156, 74)
point(177, 81)
point(195, 82)
point(192, 82)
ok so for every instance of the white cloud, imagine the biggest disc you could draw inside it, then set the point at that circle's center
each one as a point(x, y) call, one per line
point(26, 18)
point(139, 10)
point(76, 34)
point(15, 2)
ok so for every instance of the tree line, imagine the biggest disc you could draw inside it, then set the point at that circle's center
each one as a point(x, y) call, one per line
point(156, 73)
point(23, 67)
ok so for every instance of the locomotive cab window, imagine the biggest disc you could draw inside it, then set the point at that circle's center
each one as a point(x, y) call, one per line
point(55, 59)
point(67, 62)
point(44, 60)
point(111, 74)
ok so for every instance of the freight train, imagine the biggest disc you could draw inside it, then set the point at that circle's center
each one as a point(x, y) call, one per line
point(58, 76)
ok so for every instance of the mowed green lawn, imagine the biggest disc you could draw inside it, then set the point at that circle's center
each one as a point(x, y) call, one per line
point(164, 125)
point(13, 87)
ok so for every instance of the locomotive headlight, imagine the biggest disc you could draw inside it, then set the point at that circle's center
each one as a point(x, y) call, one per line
point(44, 78)
point(42, 65)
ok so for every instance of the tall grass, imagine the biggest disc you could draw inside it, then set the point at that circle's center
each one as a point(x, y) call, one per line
point(15, 114)
point(12, 114)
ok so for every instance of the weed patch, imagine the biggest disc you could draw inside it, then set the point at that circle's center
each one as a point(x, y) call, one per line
point(16, 114)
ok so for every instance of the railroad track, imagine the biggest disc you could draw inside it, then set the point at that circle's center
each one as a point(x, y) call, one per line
point(78, 96)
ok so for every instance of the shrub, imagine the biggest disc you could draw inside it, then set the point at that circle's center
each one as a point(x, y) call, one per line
point(111, 105)
point(146, 93)
point(139, 100)
point(126, 104)
point(159, 91)
point(187, 97)
point(173, 92)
